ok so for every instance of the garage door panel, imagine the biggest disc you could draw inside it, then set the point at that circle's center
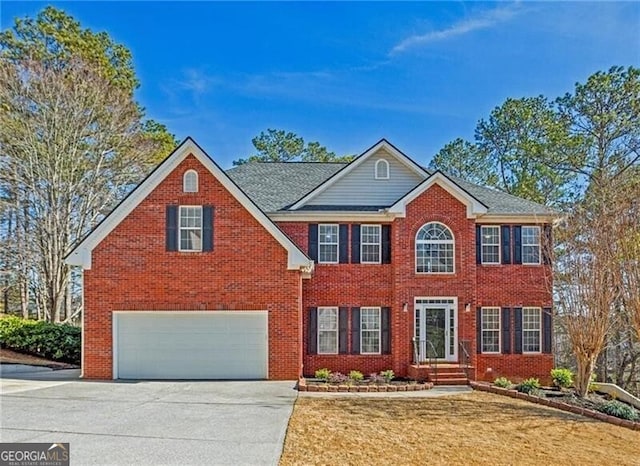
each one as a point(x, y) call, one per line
point(215, 345)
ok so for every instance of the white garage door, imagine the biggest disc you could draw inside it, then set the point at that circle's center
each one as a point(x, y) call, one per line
point(190, 345)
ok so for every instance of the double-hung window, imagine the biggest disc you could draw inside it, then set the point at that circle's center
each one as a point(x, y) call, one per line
point(328, 244)
point(190, 228)
point(531, 329)
point(490, 329)
point(370, 330)
point(327, 330)
point(370, 244)
point(490, 237)
point(531, 245)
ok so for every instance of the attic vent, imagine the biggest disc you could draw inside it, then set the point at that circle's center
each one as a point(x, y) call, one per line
point(190, 181)
point(382, 170)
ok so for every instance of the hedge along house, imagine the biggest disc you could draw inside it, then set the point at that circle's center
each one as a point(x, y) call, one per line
point(274, 270)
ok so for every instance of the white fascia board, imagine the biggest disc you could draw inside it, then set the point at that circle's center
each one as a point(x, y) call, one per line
point(517, 218)
point(474, 207)
point(383, 144)
point(81, 255)
point(331, 216)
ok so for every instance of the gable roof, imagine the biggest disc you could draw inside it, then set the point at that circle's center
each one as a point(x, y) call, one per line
point(474, 206)
point(81, 254)
point(383, 144)
point(277, 185)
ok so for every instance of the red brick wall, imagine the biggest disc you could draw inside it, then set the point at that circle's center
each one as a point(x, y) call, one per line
point(247, 270)
point(397, 283)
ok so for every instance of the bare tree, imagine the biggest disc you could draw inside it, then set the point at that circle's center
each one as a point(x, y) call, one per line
point(71, 143)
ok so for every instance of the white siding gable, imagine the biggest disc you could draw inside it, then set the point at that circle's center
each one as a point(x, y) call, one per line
point(360, 188)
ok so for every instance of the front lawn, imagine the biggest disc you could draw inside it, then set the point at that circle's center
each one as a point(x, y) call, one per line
point(475, 428)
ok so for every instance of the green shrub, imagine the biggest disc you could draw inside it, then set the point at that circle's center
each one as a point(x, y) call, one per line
point(502, 382)
point(356, 376)
point(562, 378)
point(58, 342)
point(619, 409)
point(530, 386)
point(388, 375)
point(323, 374)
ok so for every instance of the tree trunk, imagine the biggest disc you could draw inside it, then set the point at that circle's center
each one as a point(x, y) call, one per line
point(583, 374)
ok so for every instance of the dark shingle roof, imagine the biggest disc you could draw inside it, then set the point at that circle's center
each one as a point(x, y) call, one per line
point(275, 186)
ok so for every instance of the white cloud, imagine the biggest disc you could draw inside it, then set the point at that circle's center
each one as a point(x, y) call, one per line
point(483, 21)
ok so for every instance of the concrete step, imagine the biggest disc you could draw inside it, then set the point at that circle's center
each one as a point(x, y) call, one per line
point(451, 381)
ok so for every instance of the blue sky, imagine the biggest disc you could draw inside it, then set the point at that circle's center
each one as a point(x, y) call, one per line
point(348, 74)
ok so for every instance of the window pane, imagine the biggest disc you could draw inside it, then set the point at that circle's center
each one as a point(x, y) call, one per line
point(327, 330)
point(490, 237)
point(327, 342)
point(370, 330)
point(328, 243)
point(190, 240)
point(370, 244)
point(531, 330)
point(434, 249)
point(491, 330)
point(530, 245)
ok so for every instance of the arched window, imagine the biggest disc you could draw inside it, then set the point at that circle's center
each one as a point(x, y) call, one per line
point(382, 170)
point(434, 249)
point(190, 181)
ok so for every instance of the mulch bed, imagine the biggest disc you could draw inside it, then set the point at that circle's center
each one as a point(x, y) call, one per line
point(8, 356)
point(565, 401)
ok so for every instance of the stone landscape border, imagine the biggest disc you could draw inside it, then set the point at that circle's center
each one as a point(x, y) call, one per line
point(486, 387)
point(368, 388)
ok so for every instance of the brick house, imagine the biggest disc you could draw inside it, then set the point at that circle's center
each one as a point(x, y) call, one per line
point(274, 270)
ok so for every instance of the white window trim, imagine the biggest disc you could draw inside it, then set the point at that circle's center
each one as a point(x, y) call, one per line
point(539, 309)
point(184, 181)
point(482, 330)
point(337, 330)
point(337, 243)
point(362, 244)
point(180, 228)
point(379, 331)
point(453, 243)
point(482, 228)
point(376, 175)
point(522, 245)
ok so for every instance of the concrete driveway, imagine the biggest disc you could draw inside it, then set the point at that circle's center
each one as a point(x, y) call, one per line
point(148, 422)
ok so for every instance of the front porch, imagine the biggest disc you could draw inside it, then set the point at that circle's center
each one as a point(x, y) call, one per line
point(429, 366)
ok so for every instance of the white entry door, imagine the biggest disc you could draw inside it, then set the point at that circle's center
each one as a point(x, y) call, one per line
point(436, 329)
point(190, 345)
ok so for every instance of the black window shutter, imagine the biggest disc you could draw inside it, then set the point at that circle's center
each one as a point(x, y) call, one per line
point(479, 330)
point(547, 329)
point(385, 324)
point(506, 330)
point(386, 244)
point(343, 239)
point(355, 330)
point(312, 337)
point(343, 330)
point(172, 228)
point(355, 244)
point(517, 244)
point(505, 235)
point(313, 241)
point(517, 328)
point(546, 244)
point(207, 227)
point(478, 244)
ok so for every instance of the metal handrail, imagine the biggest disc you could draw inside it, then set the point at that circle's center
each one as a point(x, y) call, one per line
point(466, 357)
point(433, 361)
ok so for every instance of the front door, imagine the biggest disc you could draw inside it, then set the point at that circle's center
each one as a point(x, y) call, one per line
point(436, 329)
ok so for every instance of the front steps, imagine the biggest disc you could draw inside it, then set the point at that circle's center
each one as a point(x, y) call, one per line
point(440, 374)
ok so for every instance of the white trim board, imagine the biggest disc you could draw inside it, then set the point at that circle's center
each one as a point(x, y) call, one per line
point(81, 254)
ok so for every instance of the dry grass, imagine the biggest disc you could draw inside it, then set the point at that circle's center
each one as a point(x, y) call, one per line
point(475, 428)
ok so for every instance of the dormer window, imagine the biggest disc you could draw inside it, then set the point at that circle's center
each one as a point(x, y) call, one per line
point(190, 181)
point(382, 170)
